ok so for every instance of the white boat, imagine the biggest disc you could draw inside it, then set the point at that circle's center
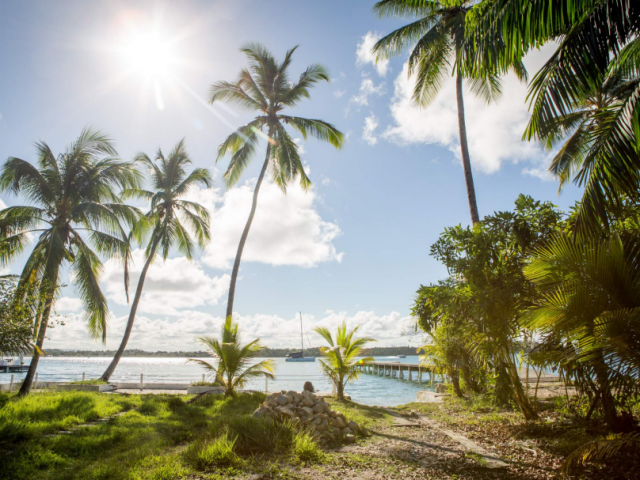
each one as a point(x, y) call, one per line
point(299, 356)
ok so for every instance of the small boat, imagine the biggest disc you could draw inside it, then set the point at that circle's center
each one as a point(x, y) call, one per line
point(402, 356)
point(299, 356)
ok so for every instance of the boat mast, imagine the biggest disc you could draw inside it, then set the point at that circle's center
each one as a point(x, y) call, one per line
point(301, 337)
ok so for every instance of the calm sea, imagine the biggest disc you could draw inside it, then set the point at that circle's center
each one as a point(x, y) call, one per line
point(368, 389)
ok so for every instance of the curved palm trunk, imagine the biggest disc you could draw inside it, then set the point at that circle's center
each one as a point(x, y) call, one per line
point(245, 234)
point(464, 148)
point(132, 316)
point(42, 330)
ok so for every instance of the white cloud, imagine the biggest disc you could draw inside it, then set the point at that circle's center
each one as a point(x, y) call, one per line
point(169, 287)
point(494, 131)
point(364, 53)
point(2, 204)
point(300, 143)
point(180, 333)
point(367, 89)
point(286, 230)
point(370, 125)
point(68, 304)
point(339, 93)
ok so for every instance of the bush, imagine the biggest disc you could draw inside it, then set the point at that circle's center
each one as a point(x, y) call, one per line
point(175, 403)
point(217, 453)
point(305, 449)
point(260, 435)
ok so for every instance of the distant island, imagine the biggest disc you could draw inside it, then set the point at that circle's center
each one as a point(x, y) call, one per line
point(269, 352)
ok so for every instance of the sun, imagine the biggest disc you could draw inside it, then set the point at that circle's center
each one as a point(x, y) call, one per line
point(148, 54)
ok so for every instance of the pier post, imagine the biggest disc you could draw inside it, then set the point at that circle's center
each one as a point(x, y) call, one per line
point(141, 380)
point(400, 374)
point(203, 378)
point(11, 384)
point(35, 387)
point(419, 374)
point(266, 384)
point(409, 373)
point(83, 376)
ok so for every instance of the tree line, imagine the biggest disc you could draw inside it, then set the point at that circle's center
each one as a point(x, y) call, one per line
point(265, 352)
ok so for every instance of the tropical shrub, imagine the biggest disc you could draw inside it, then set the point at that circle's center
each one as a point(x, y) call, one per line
point(340, 360)
point(234, 368)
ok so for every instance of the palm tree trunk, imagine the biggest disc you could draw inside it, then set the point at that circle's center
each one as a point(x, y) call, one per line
point(42, 330)
point(132, 315)
point(464, 148)
point(245, 233)
point(340, 390)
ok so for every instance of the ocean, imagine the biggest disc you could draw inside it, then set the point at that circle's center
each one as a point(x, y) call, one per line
point(368, 389)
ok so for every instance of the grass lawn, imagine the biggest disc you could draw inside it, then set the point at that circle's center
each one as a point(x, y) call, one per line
point(157, 437)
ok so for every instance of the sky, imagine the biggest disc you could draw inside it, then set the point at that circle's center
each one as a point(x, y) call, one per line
point(355, 247)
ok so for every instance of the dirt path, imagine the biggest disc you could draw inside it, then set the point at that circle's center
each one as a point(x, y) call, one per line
point(420, 449)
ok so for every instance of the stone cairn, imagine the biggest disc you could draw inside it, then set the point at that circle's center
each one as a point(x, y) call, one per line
point(312, 413)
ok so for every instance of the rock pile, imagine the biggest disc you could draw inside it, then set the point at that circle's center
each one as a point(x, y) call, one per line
point(311, 412)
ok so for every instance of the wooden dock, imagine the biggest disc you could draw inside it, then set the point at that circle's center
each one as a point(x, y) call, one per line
point(401, 371)
point(415, 372)
point(13, 368)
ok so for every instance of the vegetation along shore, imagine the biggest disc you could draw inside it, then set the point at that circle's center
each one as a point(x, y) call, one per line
point(526, 305)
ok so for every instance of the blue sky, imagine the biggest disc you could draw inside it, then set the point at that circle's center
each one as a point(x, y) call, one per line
point(355, 247)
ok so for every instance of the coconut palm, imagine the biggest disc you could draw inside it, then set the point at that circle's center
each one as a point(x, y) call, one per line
point(438, 34)
point(340, 360)
point(591, 36)
point(265, 87)
point(234, 367)
point(74, 208)
point(588, 127)
point(166, 220)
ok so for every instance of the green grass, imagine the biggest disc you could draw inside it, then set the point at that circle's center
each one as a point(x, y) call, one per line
point(364, 415)
point(92, 381)
point(159, 437)
point(22, 419)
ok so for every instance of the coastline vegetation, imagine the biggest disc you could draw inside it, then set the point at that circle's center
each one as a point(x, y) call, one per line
point(534, 286)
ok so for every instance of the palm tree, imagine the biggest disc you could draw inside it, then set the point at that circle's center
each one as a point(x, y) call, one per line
point(341, 363)
point(438, 35)
point(233, 369)
point(74, 206)
point(589, 42)
point(265, 87)
point(166, 219)
point(592, 303)
point(586, 127)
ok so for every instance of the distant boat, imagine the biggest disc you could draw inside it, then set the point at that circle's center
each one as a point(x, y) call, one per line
point(402, 356)
point(299, 356)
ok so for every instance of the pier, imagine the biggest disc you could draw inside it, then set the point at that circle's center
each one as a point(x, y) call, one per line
point(13, 368)
point(401, 371)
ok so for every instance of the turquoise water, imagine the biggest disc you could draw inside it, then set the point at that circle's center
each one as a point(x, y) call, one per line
point(368, 389)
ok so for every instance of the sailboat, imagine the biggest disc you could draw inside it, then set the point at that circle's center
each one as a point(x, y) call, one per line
point(299, 356)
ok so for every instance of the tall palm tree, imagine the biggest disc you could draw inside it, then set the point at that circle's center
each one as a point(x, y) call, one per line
point(438, 35)
point(234, 369)
point(166, 220)
point(265, 87)
point(340, 360)
point(74, 205)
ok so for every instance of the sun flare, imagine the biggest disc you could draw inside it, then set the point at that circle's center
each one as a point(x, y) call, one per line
point(148, 54)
